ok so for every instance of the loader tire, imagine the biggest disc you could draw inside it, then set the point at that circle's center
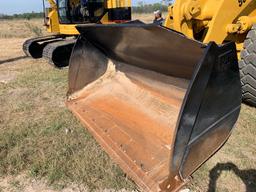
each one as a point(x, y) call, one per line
point(247, 66)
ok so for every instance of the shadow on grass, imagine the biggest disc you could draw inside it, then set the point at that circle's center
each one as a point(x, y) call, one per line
point(12, 59)
point(247, 176)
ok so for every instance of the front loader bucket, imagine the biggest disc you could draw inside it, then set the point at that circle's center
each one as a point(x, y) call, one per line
point(158, 103)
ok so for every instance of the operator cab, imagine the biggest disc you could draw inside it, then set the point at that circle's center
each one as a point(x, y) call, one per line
point(89, 11)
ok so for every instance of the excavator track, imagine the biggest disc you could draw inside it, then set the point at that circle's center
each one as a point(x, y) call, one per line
point(34, 47)
point(58, 53)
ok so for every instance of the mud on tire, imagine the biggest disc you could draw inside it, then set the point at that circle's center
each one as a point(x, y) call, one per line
point(247, 66)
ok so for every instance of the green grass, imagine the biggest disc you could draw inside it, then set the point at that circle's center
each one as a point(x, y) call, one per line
point(39, 135)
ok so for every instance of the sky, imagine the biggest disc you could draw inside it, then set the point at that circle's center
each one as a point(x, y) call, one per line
point(20, 6)
point(23, 6)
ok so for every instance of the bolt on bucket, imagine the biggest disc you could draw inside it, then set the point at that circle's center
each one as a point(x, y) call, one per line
point(158, 103)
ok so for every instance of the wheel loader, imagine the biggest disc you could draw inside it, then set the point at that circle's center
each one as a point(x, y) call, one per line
point(161, 100)
point(221, 21)
point(62, 17)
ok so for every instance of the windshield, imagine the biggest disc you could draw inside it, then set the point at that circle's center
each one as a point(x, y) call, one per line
point(80, 11)
point(63, 11)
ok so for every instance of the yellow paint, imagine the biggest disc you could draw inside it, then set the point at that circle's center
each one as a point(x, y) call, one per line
point(105, 20)
point(53, 25)
point(218, 19)
point(111, 4)
point(68, 29)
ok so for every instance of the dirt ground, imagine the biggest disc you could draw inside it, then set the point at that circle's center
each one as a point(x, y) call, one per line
point(44, 148)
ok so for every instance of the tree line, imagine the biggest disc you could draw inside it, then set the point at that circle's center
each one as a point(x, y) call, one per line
point(27, 16)
point(149, 8)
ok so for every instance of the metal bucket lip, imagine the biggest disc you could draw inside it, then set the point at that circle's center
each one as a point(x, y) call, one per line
point(135, 44)
point(132, 24)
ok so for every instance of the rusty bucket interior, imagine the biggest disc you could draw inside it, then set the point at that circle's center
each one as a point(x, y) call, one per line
point(134, 93)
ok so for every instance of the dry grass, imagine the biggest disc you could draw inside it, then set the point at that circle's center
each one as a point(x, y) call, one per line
point(21, 28)
point(145, 17)
point(40, 138)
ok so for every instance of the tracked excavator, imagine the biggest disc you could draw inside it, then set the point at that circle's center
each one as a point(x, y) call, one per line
point(60, 20)
point(161, 100)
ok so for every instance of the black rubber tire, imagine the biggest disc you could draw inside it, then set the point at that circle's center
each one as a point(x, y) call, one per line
point(247, 66)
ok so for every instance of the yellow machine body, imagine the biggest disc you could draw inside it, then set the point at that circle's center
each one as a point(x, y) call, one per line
point(52, 22)
point(213, 20)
